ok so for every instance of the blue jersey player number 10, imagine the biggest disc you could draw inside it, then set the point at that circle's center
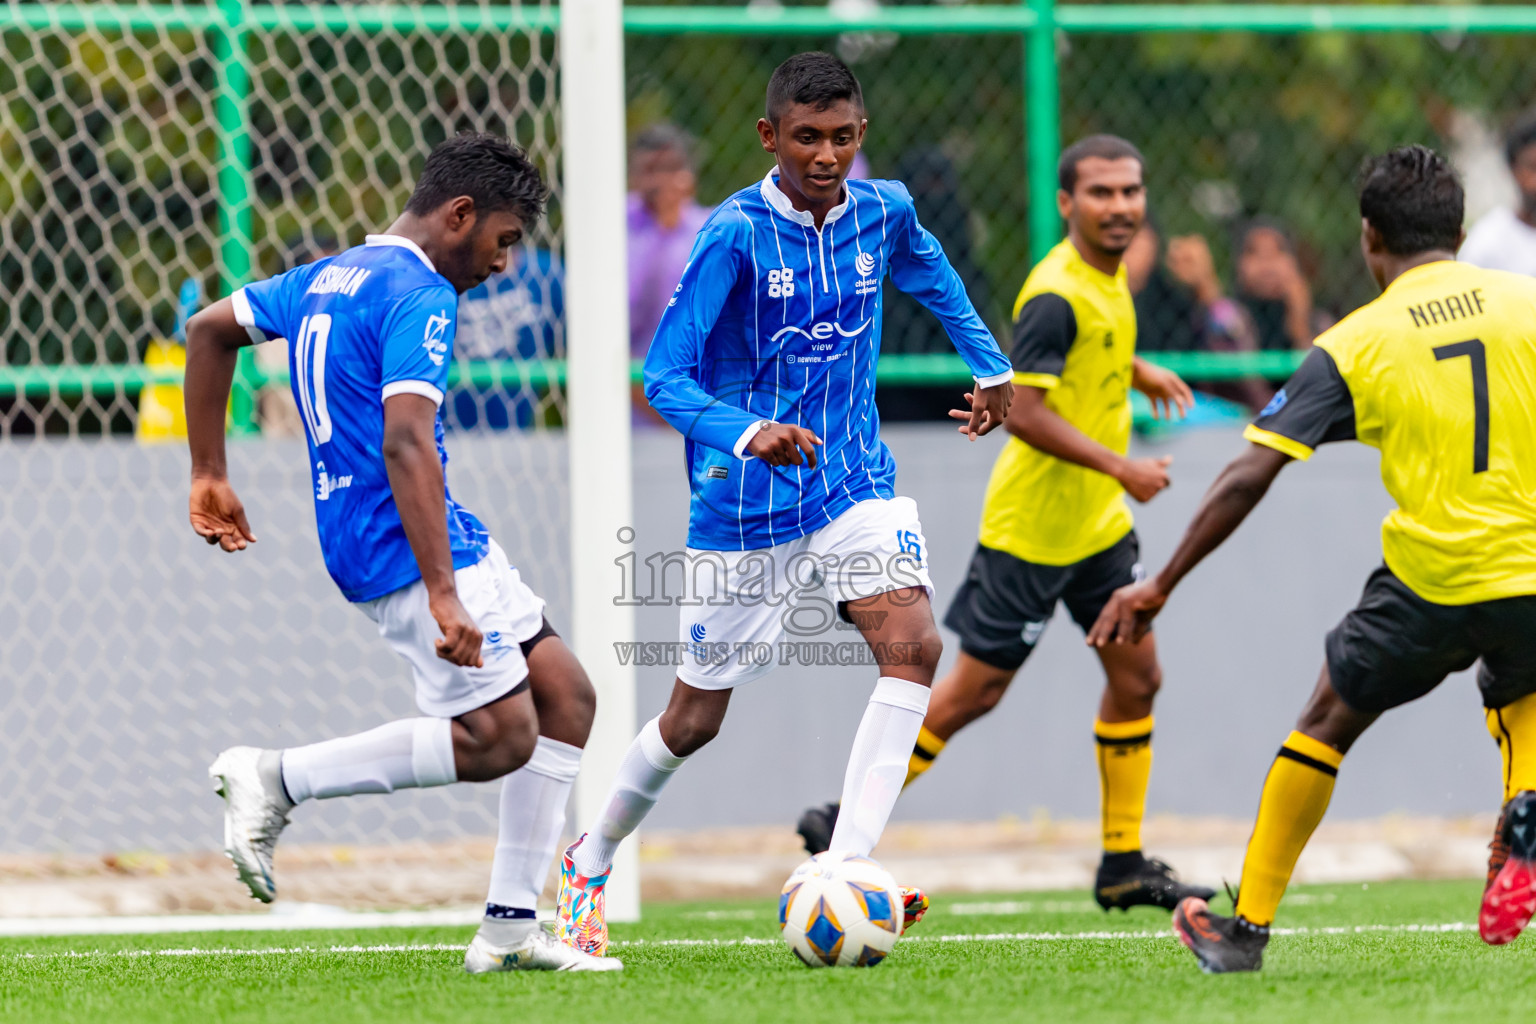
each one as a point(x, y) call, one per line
point(371, 332)
point(309, 374)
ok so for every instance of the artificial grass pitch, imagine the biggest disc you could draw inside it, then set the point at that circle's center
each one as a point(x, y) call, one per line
point(1036, 957)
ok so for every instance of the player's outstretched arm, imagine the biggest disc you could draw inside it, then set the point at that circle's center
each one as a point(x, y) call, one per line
point(1165, 388)
point(1041, 427)
point(1240, 487)
point(214, 340)
point(416, 481)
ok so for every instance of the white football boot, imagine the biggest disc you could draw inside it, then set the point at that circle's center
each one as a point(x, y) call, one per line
point(254, 815)
point(537, 950)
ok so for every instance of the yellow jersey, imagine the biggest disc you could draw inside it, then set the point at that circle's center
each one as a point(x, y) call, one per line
point(1439, 372)
point(1074, 335)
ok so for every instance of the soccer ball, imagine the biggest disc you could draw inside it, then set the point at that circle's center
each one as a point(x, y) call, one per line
point(840, 910)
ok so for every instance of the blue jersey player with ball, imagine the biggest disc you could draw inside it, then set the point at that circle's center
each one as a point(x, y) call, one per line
point(370, 336)
point(765, 362)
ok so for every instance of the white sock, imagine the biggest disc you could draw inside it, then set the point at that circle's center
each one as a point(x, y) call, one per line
point(410, 753)
point(532, 816)
point(878, 765)
point(646, 767)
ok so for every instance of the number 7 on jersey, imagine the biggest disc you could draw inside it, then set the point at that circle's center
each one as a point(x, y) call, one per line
point(1477, 355)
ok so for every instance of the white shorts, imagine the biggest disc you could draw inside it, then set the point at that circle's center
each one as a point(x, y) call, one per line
point(744, 611)
point(501, 604)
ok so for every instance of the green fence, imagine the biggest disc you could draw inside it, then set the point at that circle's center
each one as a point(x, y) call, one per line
point(1242, 109)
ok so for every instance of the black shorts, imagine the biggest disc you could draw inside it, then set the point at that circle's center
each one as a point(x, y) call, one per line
point(545, 632)
point(1005, 602)
point(1394, 646)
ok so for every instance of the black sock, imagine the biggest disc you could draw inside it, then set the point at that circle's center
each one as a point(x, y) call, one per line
point(503, 913)
point(1122, 863)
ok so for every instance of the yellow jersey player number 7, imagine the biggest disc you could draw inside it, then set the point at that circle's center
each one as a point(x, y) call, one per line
point(1439, 373)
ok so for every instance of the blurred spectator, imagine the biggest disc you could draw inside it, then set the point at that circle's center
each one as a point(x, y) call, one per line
point(1169, 318)
point(1273, 288)
point(517, 314)
point(1505, 239)
point(909, 329)
point(1181, 307)
point(663, 220)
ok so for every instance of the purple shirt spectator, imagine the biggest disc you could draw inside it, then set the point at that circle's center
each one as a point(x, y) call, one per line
point(657, 256)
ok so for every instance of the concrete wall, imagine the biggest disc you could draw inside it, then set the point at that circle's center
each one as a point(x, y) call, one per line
point(130, 653)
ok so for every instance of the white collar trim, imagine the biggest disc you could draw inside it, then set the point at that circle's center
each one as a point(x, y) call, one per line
point(402, 242)
point(775, 197)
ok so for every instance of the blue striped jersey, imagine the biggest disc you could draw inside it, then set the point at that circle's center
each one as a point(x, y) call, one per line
point(375, 321)
point(775, 319)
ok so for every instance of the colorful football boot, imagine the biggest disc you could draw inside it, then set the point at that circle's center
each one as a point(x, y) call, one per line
point(1223, 945)
point(580, 921)
point(914, 904)
point(1509, 900)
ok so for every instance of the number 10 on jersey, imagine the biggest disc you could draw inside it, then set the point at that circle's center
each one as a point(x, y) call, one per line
point(309, 371)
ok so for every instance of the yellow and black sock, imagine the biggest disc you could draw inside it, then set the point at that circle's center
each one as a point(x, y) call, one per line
point(927, 748)
point(1296, 794)
point(1125, 764)
point(1513, 728)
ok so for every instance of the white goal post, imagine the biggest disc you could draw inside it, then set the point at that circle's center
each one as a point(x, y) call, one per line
point(597, 346)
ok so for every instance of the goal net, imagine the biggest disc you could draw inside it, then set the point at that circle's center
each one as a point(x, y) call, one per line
point(152, 158)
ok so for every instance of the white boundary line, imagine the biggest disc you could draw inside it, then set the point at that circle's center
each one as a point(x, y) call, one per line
point(444, 947)
point(306, 919)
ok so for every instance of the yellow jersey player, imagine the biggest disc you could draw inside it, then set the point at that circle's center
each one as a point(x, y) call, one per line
point(1439, 373)
point(1055, 525)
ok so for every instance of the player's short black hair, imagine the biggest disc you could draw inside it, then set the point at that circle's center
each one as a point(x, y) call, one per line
point(490, 170)
point(1105, 147)
point(1413, 199)
point(815, 79)
point(1521, 136)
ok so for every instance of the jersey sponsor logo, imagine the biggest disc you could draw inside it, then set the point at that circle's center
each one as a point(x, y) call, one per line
point(869, 281)
point(338, 280)
point(781, 283)
point(716, 473)
point(437, 348)
point(697, 632)
point(327, 484)
point(1275, 404)
point(822, 330)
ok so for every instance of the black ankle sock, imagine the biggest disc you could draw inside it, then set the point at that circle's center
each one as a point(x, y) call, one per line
point(504, 913)
point(1121, 863)
point(1257, 930)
